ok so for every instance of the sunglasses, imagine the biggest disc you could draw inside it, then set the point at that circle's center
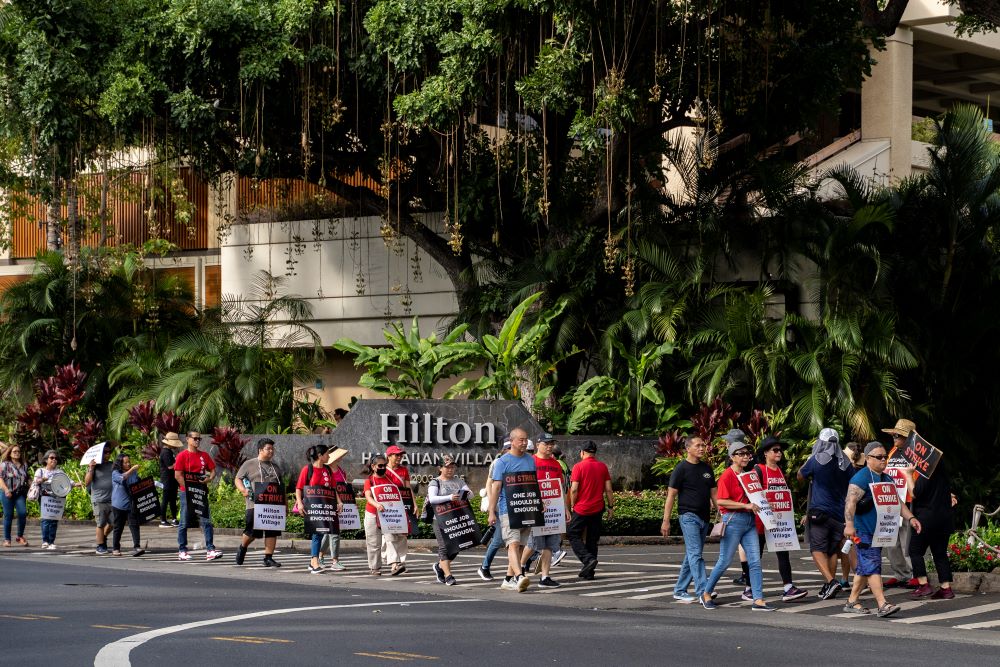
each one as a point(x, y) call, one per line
point(878, 458)
point(775, 449)
point(743, 453)
point(53, 458)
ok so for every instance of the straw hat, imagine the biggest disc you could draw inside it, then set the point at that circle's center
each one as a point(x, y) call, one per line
point(903, 427)
point(172, 441)
point(335, 455)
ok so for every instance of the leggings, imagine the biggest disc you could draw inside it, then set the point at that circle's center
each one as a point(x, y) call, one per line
point(784, 562)
point(937, 540)
point(121, 517)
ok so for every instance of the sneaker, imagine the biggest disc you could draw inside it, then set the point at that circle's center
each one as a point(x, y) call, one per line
point(683, 597)
point(164, 524)
point(183, 555)
point(714, 595)
point(708, 604)
point(740, 581)
point(138, 552)
point(484, 573)
point(508, 585)
point(922, 592)
point(534, 561)
point(891, 582)
point(322, 561)
point(522, 583)
point(830, 590)
point(213, 554)
point(53, 547)
point(943, 594)
point(175, 523)
point(438, 572)
point(557, 557)
point(315, 570)
point(241, 554)
point(844, 583)
point(587, 571)
point(912, 584)
point(45, 545)
point(101, 550)
point(337, 566)
point(450, 581)
point(548, 582)
point(762, 607)
point(794, 593)
point(270, 562)
point(747, 594)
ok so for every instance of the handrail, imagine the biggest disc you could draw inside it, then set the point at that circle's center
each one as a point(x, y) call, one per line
point(832, 149)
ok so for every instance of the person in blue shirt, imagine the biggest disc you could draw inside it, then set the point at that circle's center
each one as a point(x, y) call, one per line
point(517, 460)
point(829, 471)
point(123, 509)
point(860, 517)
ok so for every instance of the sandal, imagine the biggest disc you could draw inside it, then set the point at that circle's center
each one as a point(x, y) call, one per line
point(6, 543)
point(856, 608)
point(23, 542)
point(887, 610)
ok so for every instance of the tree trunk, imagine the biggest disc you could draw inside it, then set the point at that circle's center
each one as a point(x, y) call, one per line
point(72, 220)
point(52, 222)
point(105, 187)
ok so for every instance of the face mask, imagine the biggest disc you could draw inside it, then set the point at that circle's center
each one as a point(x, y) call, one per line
point(380, 470)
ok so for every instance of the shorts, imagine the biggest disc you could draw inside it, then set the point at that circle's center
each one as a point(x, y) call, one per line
point(543, 542)
point(102, 514)
point(250, 532)
point(826, 537)
point(512, 535)
point(869, 558)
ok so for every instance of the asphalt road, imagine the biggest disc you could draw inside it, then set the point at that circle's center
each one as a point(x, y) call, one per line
point(76, 609)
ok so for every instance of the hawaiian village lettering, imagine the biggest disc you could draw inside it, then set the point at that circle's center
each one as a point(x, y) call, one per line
point(435, 458)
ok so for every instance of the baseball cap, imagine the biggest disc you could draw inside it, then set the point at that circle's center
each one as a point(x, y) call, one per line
point(737, 446)
point(394, 449)
point(590, 447)
point(546, 437)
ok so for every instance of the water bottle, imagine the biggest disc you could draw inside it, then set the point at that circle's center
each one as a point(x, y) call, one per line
point(846, 549)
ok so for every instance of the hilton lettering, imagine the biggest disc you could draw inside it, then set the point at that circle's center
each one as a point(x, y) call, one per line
point(413, 429)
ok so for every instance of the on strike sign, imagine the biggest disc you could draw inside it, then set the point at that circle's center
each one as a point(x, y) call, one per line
point(393, 517)
point(887, 508)
point(553, 508)
point(524, 502)
point(349, 518)
point(755, 492)
point(269, 507)
point(783, 536)
point(922, 455)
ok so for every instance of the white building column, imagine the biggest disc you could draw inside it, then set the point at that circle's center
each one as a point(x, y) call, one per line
point(887, 101)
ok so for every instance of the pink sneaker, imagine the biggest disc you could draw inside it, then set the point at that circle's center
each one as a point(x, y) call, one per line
point(183, 555)
point(213, 554)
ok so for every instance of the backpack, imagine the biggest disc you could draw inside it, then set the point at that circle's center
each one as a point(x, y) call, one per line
point(427, 510)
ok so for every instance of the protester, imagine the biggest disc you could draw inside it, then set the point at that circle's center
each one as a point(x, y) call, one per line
point(932, 505)
point(739, 516)
point(692, 487)
point(43, 474)
point(260, 470)
point(772, 479)
point(443, 489)
point(515, 461)
point(123, 509)
point(373, 531)
point(829, 471)
point(193, 460)
point(168, 454)
point(317, 473)
point(898, 554)
point(338, 415)
point(855, 452)
point(560, 553)
point(331, 542)
point(98, 483)
point(398, 474)
point(14, 483)
point(497, 540)
point(543, 547)
point(590, 493)
point(862, 525)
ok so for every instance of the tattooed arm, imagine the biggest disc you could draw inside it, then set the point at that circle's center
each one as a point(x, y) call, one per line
point(854, 494)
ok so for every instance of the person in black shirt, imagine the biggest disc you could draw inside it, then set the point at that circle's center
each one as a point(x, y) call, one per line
point(692, 486)
point(168, 453)
point(932, 503)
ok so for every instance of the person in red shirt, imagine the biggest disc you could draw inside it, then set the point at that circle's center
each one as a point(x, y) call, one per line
point(317, 473)
point(394, 546)
point(590, 492)
point(546, 468)
point(373, 532)
point(193, 460)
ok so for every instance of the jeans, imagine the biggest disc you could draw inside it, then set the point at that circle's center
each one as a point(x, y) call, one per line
point(331, 543)
point(49, 527)
point(695, 531)
point(585, 549)
point(493, 548)
point(317, 542)
point(15, 502)
point(182, 532)
point(741, 528)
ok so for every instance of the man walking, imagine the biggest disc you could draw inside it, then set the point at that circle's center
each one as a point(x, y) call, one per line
point(547, 468)
point(692, 487)
point(590, 492)
point(193, 460)
point(515, 461)
point(829, 472)
point(168, 453)
point(98, 483)
point(260, 470)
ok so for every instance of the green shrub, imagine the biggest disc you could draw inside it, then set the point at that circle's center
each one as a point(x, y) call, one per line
point(964, 557)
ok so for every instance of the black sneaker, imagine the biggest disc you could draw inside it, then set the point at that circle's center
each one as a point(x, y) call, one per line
point(439, 573)
point(741, 581)
point(548, 582)
point(164, 524)
point(138, 551)
point(450, 581)
point(484, 573)
point(270, 562)
point(241, 554)
point(587, 571)
point(830, 591)
point(101, 550)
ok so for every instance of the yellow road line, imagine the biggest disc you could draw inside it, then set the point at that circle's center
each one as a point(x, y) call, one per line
point(30, 617)
point(265, 639)
point(411, 655)
point(121, 626)
point(383, 656)
point(241, 641)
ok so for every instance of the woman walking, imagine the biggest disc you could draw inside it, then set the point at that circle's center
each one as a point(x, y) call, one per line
point(14, 484)
point(445, 488)
point(123, 509)
point(373, 531)
point(317, 473)
point(740, 518)
point(394, 546)
point(42, 475)
point(331, 543)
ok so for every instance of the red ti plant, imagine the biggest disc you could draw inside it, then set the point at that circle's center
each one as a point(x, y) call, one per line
point(167, 422)
point(87, 436)
point(757, 427)
point(670, 444)
point(142, 416)
point(229, 446)
point(713, 420)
